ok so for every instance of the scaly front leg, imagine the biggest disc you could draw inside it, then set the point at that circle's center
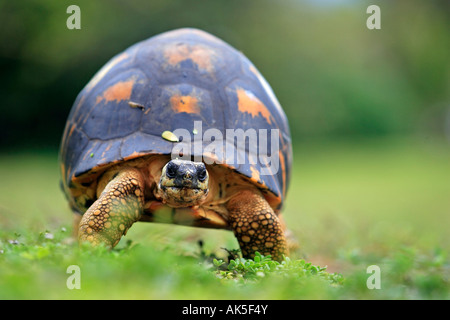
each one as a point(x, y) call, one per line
point(118, 207)
point(256, 226)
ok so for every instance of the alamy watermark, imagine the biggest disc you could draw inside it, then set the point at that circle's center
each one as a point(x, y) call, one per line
point(232, 147)
point(374, 21)
point(374, 280)
point(74, 20)
point(74, 280)
point(235, 146)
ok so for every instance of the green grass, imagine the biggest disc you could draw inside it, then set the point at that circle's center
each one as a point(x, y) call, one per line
point(350, 205)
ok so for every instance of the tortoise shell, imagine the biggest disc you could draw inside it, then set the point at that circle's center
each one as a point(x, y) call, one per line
point(165, 83)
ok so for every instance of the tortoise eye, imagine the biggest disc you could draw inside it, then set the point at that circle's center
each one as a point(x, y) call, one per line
point(171, 170)
point(201, 174)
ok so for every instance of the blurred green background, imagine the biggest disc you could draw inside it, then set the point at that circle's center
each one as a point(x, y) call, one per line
point(369, 112)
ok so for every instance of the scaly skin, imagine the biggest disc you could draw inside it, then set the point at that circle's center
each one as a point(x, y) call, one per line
point(256, 226)
point(121, 203)
point(118, 207)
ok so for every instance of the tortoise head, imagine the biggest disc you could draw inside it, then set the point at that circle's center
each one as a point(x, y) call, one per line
point(184, 183)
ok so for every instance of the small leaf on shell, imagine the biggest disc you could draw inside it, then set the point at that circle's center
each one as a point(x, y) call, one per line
point(170, 136)
point(136, 105)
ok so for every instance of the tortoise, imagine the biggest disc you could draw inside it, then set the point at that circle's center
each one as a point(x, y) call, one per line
point(117, 157)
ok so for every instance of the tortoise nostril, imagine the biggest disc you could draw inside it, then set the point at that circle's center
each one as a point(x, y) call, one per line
point(171, 170)
point(201, 173)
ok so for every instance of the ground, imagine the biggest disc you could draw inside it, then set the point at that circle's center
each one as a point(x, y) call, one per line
point(351, 205)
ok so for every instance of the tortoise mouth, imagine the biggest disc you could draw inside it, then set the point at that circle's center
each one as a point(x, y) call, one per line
point(175, 188)
point(181, 196)
point(183, 190)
